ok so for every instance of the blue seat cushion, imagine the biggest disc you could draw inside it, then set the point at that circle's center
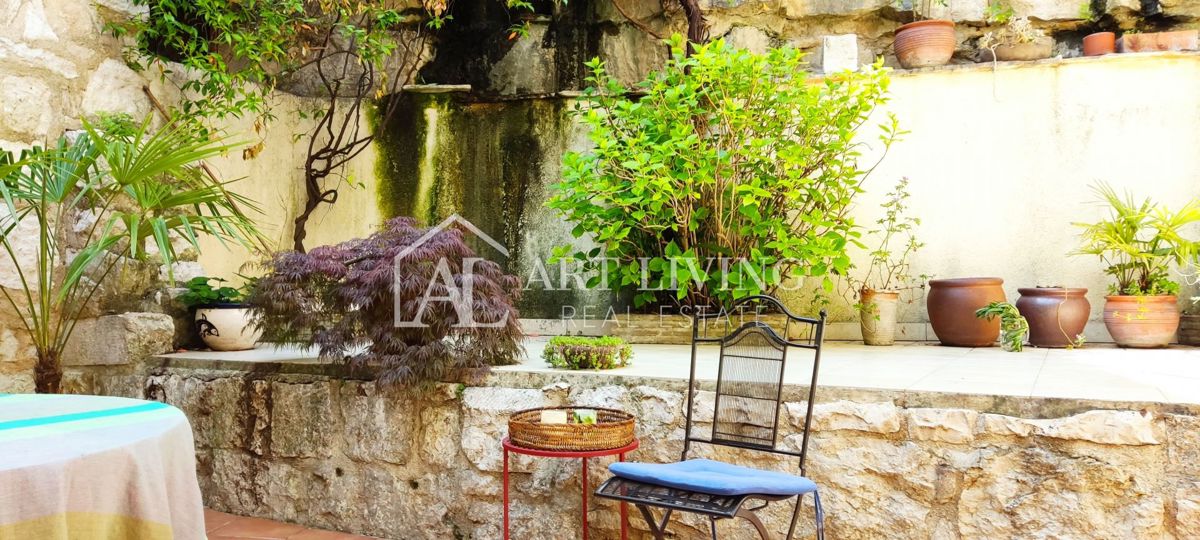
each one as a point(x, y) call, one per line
point(714, 477)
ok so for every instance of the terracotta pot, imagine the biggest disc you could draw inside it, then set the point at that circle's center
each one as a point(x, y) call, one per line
point(226, 327)
point(952, 304)
point(925, 43)
point(877, 316)
point(1180, 40)
point(1141, 322)
point(1099, 43)
point(1189, 329)
point(1019, 52)
point(1056, 315)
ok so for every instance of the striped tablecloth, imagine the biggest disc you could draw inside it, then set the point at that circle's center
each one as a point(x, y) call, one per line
point(93, 467)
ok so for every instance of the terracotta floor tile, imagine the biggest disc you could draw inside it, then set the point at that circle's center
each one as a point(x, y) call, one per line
point(317, 534)
point(256, 528)
point(214, 520)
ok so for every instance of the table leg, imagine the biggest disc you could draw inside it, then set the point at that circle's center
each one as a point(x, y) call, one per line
point(505, 494)
point(585, 494)
point(624, 511)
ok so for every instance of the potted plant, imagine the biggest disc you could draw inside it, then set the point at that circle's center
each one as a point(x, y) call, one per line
point(1018, 40)
point(1189, 324)
point(1137, 244)
point(1056, 315)
point(1013, 327)
point(223, 320)
point(952, 304)
point(887, 276)
point(118, 173)
point(924, 42)
point(1097, 43)
point(1178, 40)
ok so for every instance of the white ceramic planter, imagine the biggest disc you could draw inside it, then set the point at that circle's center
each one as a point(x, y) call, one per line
point(226, 327)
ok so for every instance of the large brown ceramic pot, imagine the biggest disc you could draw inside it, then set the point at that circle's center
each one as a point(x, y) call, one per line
point(1141, 322)
point(925, 43)
point(1056, 315)
point(952, 304)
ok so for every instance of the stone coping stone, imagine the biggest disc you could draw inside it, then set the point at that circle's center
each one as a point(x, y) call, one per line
point(1020, 406)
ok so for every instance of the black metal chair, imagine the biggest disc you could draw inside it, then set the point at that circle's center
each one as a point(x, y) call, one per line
point(749, 393)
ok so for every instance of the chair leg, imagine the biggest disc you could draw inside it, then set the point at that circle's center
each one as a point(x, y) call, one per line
point(753, 519)
point(795, 517)
point(712, 523)
point(658, 529)
point(819, 515)
point(650, 522)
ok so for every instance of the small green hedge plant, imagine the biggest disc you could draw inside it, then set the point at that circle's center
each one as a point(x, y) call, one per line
point(581, 352)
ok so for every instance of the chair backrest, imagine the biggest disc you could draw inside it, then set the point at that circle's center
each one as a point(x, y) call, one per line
point(755, 336)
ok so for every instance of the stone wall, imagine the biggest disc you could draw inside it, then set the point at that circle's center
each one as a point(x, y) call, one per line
point(289, 442)
point(58, 67)
point(538, 65)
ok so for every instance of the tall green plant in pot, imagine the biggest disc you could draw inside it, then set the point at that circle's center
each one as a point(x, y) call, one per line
point(878, 288)
point(729, 174)
point(1138, 244)
point(119, 195)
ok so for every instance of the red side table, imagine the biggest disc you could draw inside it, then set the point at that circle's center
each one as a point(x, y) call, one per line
point(584, 456)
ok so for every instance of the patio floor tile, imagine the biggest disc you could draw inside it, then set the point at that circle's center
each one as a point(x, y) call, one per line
point(223, 526)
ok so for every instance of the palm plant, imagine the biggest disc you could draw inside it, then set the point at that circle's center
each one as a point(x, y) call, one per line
point(1139, 242)
point(110, 192)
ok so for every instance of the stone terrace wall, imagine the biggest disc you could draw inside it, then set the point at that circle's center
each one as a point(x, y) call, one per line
point(291, 443)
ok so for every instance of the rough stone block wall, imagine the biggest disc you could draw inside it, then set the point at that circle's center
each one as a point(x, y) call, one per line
point(294, 444)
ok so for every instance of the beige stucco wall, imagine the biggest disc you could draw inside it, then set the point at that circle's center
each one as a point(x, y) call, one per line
point(1001, 161)
point(275, 180)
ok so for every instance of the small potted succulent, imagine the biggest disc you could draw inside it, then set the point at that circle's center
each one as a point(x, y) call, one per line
point(1013, 327)
point(878, 290)
point(1138, 243)
point(1018, 40)
point(925, 41)
point(222, 318)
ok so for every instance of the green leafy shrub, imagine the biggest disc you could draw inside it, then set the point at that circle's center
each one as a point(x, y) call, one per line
point(200, 292)
point(1139, 242)
point(726, 156)
point(579, 352)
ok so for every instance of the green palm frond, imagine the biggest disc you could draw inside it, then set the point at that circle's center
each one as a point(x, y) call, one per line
point(140, 186)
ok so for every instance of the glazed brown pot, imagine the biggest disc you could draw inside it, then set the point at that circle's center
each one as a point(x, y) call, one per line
point(1180, 40)
point(1141, 322)
point(952, 304)
point(925, 43)
point(1056, 315)
point(1189, 329)
point(1099, 43)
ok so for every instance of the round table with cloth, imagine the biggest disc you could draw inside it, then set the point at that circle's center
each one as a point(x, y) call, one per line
point(98, 468)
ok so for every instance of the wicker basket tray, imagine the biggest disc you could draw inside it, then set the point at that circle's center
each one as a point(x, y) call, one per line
point(613, 429)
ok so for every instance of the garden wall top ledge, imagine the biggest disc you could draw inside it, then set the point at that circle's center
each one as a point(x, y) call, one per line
point(983, 380)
